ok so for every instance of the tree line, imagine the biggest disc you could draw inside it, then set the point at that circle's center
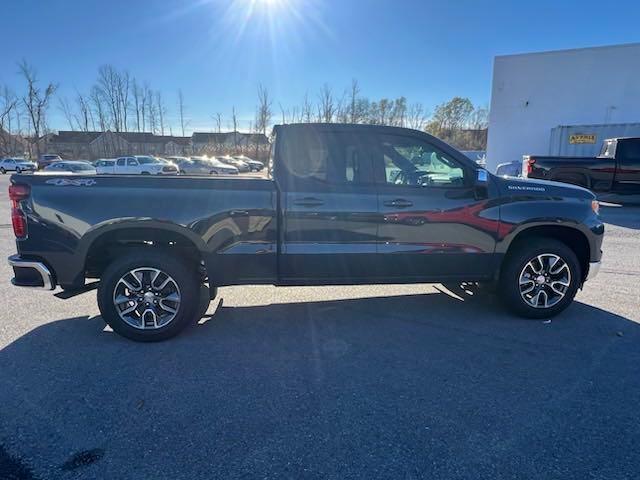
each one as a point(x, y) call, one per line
point(119, 102)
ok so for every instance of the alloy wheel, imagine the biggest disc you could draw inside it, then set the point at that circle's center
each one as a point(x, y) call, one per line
point(147, 298)
point(544, 280)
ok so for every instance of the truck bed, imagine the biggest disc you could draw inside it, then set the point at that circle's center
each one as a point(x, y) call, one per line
point(230, 214)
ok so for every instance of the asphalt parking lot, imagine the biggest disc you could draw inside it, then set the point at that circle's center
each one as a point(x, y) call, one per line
point(334, 382)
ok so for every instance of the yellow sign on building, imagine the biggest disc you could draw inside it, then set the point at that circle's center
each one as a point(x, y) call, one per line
point(582, 138)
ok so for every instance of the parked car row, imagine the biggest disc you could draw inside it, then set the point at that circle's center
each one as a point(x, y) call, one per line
point(137, 165)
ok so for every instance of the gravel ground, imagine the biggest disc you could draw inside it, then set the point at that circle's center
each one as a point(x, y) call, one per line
point(333, 382)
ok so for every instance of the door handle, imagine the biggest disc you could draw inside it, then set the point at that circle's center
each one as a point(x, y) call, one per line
point(398, 203)
point(308, 202)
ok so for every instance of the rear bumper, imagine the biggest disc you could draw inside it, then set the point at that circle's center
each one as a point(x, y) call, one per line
point(594, 268)
point(31, 273)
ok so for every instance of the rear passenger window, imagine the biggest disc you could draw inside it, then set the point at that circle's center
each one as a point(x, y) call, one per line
point(121, 162)
point(327, 157)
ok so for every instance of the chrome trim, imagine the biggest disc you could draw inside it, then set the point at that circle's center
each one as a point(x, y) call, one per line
point(45, 274)
point(594, 268)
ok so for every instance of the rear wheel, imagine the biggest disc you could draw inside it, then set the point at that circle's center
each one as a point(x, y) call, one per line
point(149, 296)
point(2, 170)
point(18, 170)
point(540, 278)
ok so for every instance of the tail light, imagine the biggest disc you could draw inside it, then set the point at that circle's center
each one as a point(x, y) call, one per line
point(17, 193)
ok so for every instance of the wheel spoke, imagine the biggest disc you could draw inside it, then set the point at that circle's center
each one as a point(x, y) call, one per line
point(140, 307)
point(544, 280)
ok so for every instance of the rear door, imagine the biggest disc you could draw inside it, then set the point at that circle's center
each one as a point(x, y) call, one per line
point(328, 207)
point(627, 178)
point(431, 224)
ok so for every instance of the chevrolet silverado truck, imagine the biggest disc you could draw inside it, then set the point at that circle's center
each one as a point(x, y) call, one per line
point(615, 170)
point(343, 204)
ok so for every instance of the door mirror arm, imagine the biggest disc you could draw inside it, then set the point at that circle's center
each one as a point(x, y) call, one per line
point(481, 183)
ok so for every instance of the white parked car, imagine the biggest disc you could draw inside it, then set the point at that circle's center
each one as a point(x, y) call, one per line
point(73, 167)
point(143, 165)
point(17, 165)
point(105, 166)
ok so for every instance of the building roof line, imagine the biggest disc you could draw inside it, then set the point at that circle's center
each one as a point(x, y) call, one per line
point(569, 50)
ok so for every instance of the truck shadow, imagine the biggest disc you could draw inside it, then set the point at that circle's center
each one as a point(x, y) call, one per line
point(364, 382)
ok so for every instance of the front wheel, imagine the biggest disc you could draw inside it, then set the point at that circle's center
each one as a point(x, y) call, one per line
point(540, 278)
point(18, 170)
point(149, 296)
point(3, 171)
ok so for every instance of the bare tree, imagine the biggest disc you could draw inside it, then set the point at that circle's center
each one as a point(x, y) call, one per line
point(98, 108)
point(263, 112)
point(217, 118)
point(108, 86)
point(84, 117)
point(7, 108)
point(235, 128)
point(137, 93)
point(354, 113)
point(161, 110)
point(65, 108)
point(326, 107)
point(307, 109)
point(36, 102)
point(416, 116)
point(152, 110)
point(181, 110)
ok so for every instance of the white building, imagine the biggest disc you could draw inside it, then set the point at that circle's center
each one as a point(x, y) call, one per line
point(534, 92)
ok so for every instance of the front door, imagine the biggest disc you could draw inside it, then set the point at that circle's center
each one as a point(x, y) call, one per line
point(329, 208)
point(432, 224)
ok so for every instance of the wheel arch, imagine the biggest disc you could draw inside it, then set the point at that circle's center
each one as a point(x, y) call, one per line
point(103, 243)
point(573, 238)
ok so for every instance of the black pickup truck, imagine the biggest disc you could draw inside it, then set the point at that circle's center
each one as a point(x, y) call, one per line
point(343, 204)
point(615, 170)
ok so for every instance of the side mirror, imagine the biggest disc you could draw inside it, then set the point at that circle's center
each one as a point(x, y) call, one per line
point(482, 177)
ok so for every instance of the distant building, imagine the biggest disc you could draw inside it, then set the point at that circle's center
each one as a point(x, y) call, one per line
point(591, 92)
point(252, 144)
point(93, 145)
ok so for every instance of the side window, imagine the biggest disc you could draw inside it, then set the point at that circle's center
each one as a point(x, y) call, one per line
point(120, 162)
point(630, 153)
point(327, 157)
point(412, 161)
point(132, 162)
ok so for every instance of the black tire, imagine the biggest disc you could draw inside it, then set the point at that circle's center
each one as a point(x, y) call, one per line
point(185, 277)
point(213, 172)
point(514, 264)
point(145, 173)
point(3, 171)
point(18, 170)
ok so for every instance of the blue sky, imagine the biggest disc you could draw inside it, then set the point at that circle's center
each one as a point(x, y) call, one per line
point(217, 51)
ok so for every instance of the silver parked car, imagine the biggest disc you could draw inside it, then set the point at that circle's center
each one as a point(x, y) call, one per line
point(212, 166)
point(74, 167)
point(254, 165)
point(239, 164)
point(17, 165)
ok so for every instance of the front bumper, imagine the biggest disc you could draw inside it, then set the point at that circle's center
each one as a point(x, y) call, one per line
point(31, 273)
point(594, 268)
